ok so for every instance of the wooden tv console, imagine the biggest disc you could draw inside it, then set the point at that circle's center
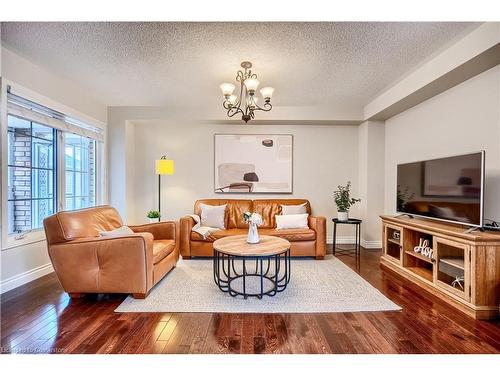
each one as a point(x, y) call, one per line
point(464, 269)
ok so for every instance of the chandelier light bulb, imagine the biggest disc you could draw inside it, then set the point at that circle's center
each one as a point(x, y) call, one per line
point(227, 89)
point(267, 93)
point(251, 84)
point(232, 100)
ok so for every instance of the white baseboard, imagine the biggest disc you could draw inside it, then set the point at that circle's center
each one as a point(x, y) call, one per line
point(352, 240)
point(25, 277)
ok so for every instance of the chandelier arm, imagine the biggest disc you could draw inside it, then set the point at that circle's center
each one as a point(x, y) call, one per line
point(266, 108)
point(233, 111)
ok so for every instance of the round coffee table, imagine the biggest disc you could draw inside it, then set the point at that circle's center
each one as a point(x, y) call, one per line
point(251, 270)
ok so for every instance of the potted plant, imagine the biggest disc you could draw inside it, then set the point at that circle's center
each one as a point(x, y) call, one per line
point(253, 220)
point(153, 216)
point(344, 201)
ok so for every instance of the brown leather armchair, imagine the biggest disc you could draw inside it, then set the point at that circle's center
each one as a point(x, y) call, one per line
point(310, 242)
point(87, 263)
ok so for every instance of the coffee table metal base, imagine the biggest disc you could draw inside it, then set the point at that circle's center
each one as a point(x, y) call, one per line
point(272, 270)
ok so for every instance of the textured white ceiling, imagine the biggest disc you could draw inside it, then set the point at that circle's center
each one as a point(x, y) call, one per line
point(341, 65)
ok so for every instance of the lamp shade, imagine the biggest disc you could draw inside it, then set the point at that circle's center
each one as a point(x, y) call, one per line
point(164, 166)
point(251, 84)
point(227, 89)
point(267, 92)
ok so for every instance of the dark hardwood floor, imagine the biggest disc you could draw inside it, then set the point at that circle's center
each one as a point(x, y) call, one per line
point(40, 317)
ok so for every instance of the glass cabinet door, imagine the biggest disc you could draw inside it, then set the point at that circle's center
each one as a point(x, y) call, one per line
point(393, 240)
point(452, 267)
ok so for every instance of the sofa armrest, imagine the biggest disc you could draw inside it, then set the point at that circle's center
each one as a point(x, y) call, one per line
point(165, 230)
point(105, 264)
point(318, 224)
point(186, 226)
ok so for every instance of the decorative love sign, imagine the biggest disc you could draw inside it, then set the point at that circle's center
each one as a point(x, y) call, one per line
point(423, 248)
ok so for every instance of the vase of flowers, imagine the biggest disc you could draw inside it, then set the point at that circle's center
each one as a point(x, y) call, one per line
point(253, 220)
point(343, 200)
point(153, 216)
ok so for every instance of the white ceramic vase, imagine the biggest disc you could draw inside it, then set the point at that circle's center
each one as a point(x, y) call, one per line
point(343, 215)
point(154, 220)
point(253, 234)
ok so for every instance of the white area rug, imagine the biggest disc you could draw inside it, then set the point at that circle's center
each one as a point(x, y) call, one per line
point(316, 286)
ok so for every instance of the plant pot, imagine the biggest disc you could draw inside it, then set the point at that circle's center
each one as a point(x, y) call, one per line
point(343, 215)
point(154, 220)
point(253, 234)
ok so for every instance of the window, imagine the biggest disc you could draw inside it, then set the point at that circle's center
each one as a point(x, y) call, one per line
point(31, 173)
point(80, 171)
point(52, 163)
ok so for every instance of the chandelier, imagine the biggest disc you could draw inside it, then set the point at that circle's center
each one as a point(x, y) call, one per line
point(246, 103)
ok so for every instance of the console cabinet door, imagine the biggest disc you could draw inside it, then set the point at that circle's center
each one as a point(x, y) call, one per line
point(452, 267)
point(393, 240)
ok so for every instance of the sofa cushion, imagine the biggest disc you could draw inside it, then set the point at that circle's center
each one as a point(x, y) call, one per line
point(213, 216)
point(297, 221)
point(234, 210)
point(269, 208)
point(218, 234)
point(293, 209)
point(162, 248)
point(291, 235)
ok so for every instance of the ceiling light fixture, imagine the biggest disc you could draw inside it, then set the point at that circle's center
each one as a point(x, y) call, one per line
point(246, 103)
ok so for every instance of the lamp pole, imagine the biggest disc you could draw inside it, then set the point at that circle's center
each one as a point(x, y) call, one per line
point(163, 166)
point(159, 194)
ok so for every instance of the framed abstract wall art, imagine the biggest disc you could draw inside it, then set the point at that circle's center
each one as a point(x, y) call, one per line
point(253, 163)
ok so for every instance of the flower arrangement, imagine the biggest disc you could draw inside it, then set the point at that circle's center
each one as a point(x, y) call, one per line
point(252, 218)
point(153, 214)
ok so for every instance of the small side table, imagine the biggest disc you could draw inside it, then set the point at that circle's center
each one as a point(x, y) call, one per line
point(357, 248)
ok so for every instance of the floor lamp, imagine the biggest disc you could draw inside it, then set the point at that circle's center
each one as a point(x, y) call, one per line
point(163, 166)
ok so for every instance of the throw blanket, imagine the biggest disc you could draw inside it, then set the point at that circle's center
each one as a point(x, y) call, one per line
point(203, 231)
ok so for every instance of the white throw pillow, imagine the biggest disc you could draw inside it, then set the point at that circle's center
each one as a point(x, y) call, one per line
point(122, 231)
point(212, 216)
point(297, 221)
point(293, 210)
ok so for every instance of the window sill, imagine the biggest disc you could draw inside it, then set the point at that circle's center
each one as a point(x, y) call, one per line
point(32, 237)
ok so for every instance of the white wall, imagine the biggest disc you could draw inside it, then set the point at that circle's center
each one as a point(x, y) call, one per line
point(324, 157)
point(17, 69)
point(21, 264)
point(463, 119)
point(371, 144)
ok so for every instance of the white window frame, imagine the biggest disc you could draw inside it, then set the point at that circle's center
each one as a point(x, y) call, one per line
point(61, 205)
point(8, 241)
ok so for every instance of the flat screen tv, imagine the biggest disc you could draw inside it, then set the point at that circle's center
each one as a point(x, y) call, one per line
point(450, 188)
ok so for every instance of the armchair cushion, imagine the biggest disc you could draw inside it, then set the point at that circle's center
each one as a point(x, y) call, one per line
point(162, 248)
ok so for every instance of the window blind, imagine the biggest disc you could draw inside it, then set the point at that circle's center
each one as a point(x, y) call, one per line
point(24, 108)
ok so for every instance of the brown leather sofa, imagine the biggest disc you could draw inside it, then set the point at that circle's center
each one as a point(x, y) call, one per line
point(304, 242)
point(87, 263)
